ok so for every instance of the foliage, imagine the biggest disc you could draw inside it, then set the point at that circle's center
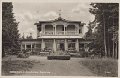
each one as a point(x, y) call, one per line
point(10, 34)
point(23, 55)
point(102, 67)
point(58, 57)
point(88, 34)
point(29, 37)
point(106, 15)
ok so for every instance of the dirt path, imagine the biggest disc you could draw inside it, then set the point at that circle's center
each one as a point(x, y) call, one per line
point(44, 67)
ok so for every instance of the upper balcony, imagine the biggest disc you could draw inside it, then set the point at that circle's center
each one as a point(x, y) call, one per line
point(50, 33)
point(59, 28)
point(60, 34)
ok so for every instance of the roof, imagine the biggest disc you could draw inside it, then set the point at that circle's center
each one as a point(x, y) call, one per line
point(59, 19)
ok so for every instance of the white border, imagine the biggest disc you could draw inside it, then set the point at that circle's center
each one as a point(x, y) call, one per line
point(49, 1)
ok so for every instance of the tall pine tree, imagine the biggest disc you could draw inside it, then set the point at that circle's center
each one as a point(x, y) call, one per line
point(10, 34)
point(106, 14)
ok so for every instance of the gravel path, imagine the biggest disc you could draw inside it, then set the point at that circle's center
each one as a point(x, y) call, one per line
point(44, 67)
point(72, 67)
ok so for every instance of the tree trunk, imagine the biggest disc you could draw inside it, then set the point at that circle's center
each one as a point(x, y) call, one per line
point(104, 35)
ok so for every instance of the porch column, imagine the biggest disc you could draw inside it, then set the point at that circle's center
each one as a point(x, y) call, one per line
point(43, 27)
point(35, 45)
point(31, 46)
point(25, 46)
point(43, 44)
point(66, 45)
point(77, 45)
point(78, 30)
point(54, 45)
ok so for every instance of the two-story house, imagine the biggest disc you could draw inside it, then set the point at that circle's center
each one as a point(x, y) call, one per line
point(57, 35)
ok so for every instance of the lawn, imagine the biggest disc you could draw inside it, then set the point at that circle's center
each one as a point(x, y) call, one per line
point(73, 67)
point(17, 65)
point(102, 67)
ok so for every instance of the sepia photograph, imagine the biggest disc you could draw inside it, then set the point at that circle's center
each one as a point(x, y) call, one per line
point(60, 39)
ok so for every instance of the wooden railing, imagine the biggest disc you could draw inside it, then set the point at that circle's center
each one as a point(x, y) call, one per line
point(60, 33)
point(71, 33)
point(49, 32)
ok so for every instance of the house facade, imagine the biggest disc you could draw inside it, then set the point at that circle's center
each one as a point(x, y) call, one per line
point(57, 35)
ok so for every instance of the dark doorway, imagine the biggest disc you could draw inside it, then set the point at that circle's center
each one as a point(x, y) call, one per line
point(60, 46)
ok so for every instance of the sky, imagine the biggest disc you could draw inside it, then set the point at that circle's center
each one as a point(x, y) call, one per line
point(27, 13)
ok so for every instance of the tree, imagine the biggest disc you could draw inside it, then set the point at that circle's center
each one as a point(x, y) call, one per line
point(10, 34)
point(106, 14)
point(88, 34)
point(29, 37)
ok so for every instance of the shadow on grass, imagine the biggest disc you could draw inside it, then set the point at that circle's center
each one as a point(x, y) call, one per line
point(102, 67)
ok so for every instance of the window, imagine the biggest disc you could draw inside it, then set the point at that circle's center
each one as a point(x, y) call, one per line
point(49, 44)
point(38, 45)
point(60, 27)
point(80, 30)
point(28, 46)
point(48, 28)
point(71, 28)
point(71, 44)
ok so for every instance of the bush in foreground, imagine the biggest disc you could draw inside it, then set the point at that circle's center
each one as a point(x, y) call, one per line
point(102, 67)
point(59, 57)
point(24, 54)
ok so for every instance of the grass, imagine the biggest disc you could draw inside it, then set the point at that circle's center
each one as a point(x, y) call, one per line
point(18, 65)
point(102, 67)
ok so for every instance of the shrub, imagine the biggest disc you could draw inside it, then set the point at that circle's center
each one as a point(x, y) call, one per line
point(23, 55)
point(84, 54)
point(63, 57)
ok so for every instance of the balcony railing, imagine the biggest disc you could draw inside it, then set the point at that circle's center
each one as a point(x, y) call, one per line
point(60, 33)
point(49, 32)
point(71, 33)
